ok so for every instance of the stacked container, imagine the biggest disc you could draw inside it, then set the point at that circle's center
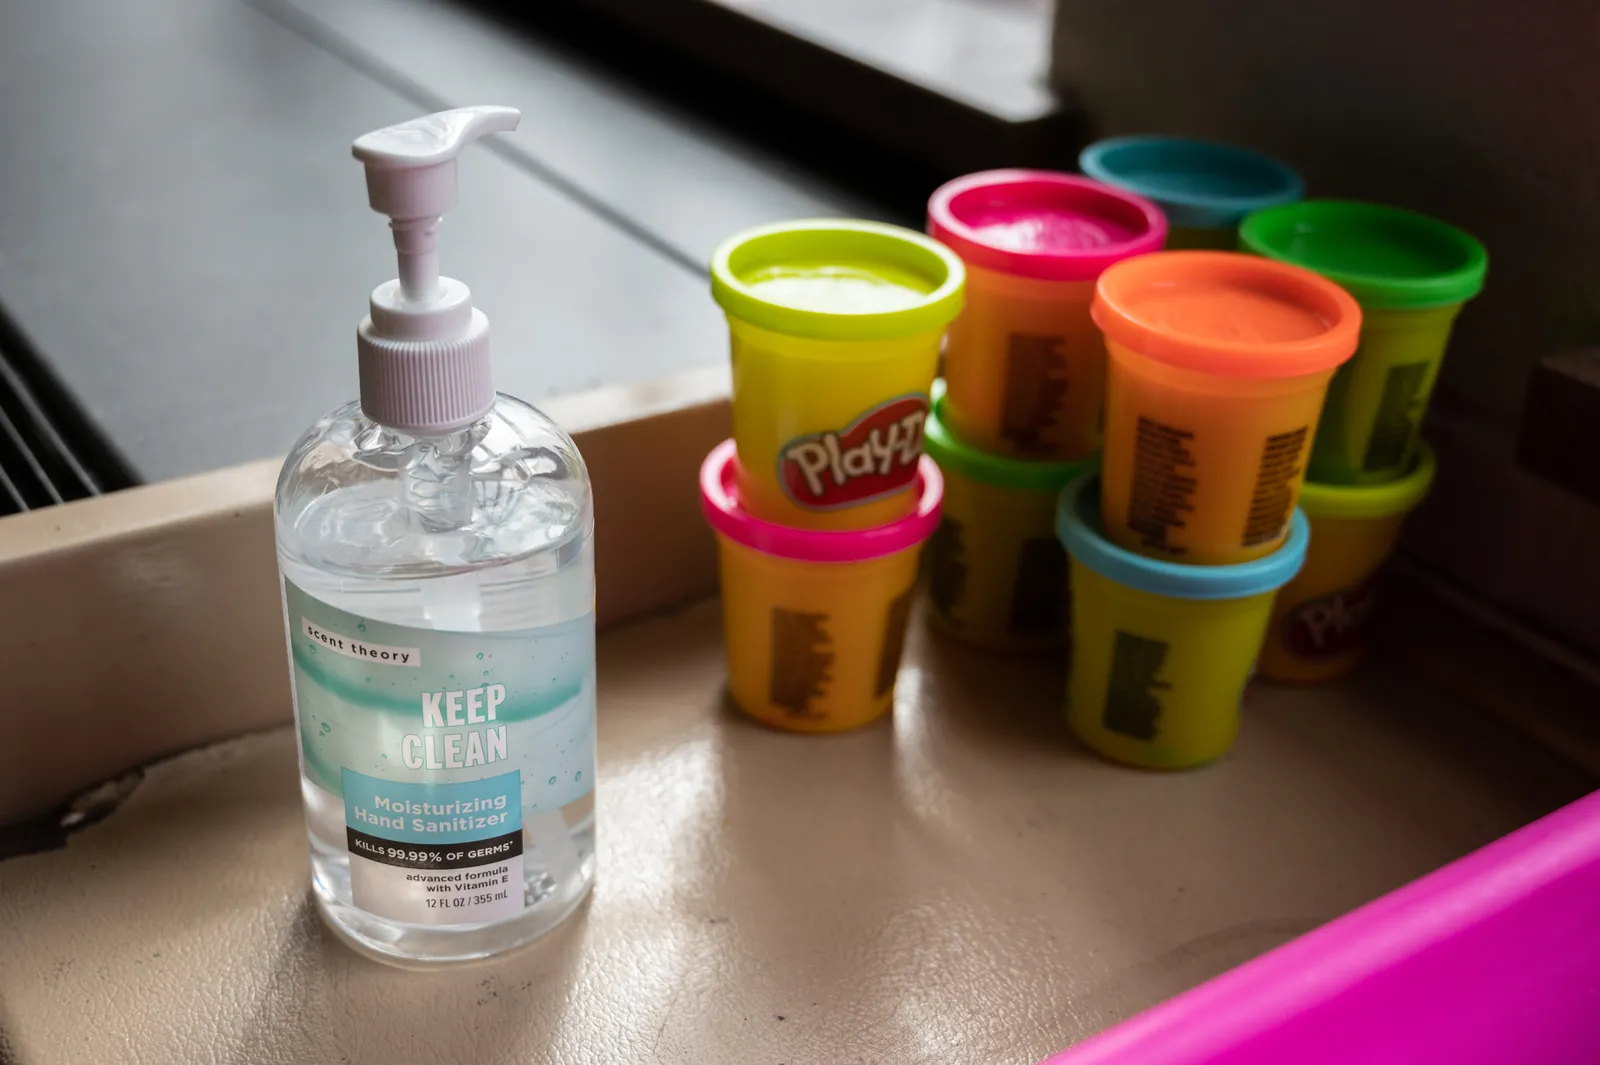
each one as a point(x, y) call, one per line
point(1369, 468)
point(1022, 405)
point(1151, 415)
point(1219, 364)
point(823, 498)
point(997, 577)
point(1204, 189)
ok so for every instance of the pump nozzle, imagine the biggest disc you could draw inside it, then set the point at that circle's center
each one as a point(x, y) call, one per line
point(411, 177)
point(424, 348)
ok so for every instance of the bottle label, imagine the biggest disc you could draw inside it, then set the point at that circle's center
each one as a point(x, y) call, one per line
point(1164, 485)
point(802, 661)
point(1035, 390)
point(1135, 692)
point(442, 745)
point(1400, 410)
point(1283, 461)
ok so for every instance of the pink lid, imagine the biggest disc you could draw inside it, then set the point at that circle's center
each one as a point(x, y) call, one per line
point(1038, 223)
point(722, 510)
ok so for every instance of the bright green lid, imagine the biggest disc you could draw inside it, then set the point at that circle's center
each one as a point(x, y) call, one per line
point(1387, 258)
point(956, 456)
point(1381, 500)
point(838, 279)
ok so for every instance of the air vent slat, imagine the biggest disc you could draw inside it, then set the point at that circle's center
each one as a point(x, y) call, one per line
point(11, 501)
point(28, 437)
point(49, 453)
point(27, 473)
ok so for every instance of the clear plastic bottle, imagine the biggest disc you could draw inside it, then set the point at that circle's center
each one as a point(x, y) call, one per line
point(435, 543)
point(486, 530)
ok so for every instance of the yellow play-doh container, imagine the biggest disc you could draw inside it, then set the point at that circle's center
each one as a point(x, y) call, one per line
point(1161, 651)
point(1322, 620)
point(814, 622)
point(997, 576)
point(1219, 366)
point(1024, 366)
point(835, 330)
point(1412, 275)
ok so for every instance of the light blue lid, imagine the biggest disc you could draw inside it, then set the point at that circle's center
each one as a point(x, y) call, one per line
point(1197, 183)
point(1078, 528)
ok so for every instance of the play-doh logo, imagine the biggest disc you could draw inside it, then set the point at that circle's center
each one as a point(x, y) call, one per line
point(875, 456)
point(1333, 624)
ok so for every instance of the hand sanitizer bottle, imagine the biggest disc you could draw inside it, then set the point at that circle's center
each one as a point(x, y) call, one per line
point(435, 543)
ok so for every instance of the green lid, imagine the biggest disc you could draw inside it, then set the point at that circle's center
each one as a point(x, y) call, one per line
point(838, 279)
point(1382, 500)
point(1387, 258)
point(956, 456)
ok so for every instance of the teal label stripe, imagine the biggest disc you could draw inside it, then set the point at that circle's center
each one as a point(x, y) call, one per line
point(431, 707)
point(433, 813)
point(541, 668)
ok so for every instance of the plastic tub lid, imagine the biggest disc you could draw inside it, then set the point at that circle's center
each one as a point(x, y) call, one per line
point(1041, 224)
point(1197, 183)
point(955, 455)
point(838, 279)
point(1226, 313)
point(1389, 258)
point(720, 503)
point(1078, 528)
point(1383, 500)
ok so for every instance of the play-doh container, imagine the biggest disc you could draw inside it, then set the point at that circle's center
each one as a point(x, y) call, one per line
point(835, 332)
point(1024, 365)
point(1411, 274)
point(1219, 364)
point(1322, 620)
point(997, 576)
point(814, 622)
point(1204, 189)
point(1161, 651)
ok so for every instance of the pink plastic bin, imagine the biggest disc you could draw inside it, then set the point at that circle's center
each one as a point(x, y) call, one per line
point(1492, 960)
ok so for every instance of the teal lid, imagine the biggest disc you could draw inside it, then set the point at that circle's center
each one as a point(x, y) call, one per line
point(1078, 528)
point(1198, 184)
point(955, 455)
point(838, 279)
point(1386, 257)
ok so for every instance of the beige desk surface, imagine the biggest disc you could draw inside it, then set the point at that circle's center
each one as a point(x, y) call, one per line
point(960, 884)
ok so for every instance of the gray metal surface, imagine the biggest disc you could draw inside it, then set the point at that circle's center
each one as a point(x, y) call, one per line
point(185, 239)
point(653, 165)
point(991, 55)
point(953, 85)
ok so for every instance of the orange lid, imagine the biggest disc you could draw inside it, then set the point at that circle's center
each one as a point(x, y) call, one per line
point(1225, 313)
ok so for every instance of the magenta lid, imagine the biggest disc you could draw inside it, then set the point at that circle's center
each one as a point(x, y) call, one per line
point(719, 500)
point(1038, 223)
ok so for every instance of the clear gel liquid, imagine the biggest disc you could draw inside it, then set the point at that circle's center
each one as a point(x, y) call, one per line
point(486, 530)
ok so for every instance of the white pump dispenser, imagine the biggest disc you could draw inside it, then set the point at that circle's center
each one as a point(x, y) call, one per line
point(424, 349)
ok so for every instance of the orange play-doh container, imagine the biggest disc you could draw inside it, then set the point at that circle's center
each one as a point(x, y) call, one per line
point(1219, 363)
point(814, 621)
point(1024, 366)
